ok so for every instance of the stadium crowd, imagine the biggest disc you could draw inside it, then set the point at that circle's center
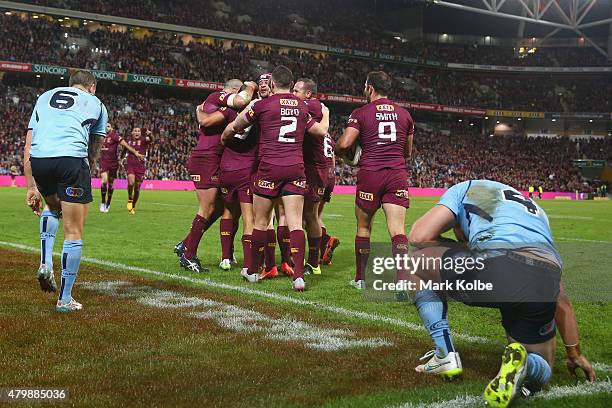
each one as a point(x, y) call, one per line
point(441, 159)
point(166, 54)
point(293, 20)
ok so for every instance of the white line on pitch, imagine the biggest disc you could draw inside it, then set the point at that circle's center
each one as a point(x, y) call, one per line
point(556, 392)
point(271, 295)
point(583, 240)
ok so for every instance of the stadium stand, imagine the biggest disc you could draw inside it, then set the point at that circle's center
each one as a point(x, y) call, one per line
point(165, 54)
point(294, 20)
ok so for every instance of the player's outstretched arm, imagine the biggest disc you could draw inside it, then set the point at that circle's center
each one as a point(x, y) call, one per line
point(210, 119)
point(320, 129)
point(346, 141)
point(240, 100)
point(430, 226)
point(568, 328)
point(129, 148)
point(33, 197)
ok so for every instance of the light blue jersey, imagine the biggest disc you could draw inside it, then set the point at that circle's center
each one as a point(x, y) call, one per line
point(493, 214)
point(62, 121)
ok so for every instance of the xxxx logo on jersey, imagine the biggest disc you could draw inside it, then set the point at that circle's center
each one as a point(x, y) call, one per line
point(265, 184)
point(385, 108)
point(402, 193)
point(288, 102)
point(366, 196)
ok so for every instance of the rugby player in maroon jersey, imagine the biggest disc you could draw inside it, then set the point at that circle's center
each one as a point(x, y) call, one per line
point(204, 161)
point(328, 242)
point(238, 168)
point(283, 119)
point(136, 167)
point(315, 165)
point(384, 131)
point(109, 164)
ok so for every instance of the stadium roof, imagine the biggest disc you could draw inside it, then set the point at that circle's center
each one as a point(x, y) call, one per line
point(522, 18)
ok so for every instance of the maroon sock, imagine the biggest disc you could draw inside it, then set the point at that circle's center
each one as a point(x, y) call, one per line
point(235, 225)
point(314, 246)
point(362, 253)
point(270, 251)
point(198, 226)
point(298, 250)
point(284, 241)
point(246, 250)
point(400, 247)
point(324, 239)
point(258, 243)
point(225, 230)
point(110, 196)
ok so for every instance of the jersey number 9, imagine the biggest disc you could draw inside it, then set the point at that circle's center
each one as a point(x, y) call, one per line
point(387, 131)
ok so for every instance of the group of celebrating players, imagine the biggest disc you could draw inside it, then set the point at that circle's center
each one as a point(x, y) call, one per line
point(264, 149)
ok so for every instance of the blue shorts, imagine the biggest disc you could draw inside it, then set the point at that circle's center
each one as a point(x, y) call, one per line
point(68, 177)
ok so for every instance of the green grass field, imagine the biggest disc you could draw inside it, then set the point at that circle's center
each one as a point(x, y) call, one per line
point(144, 352)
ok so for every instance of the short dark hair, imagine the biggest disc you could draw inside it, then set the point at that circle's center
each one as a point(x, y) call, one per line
point(380, 81)
point(309, 85)
point(82, 77)
point(282, 77)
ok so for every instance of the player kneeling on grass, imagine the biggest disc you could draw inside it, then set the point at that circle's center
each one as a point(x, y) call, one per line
point(66, 129)
point(514, 260)
point(384, 131)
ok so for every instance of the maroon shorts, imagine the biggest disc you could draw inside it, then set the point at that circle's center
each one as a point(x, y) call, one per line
point(109, 167)
point(204, 171)
point(329, 188)
point(316, 179)
point(273, 181)
point(381, 186)
point(138, 172)
point(237, 185)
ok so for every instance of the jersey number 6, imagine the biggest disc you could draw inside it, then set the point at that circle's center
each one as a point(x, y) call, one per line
point(62, 99)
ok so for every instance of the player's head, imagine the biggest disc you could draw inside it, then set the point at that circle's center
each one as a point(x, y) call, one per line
point(232, 86)
point(136, 132)
point(109, 127)
point(84, 80)
point(282, 79)
point(305, 88)
point(377, 83)
point(264, 85)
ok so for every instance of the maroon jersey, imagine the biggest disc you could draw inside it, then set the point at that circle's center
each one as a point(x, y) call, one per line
point(241, 151)
point(383, 133)
point(314, 149)
point(328, 150)
point(283, 119)
point(108, 152)
point(209, 137)
point(140, 145)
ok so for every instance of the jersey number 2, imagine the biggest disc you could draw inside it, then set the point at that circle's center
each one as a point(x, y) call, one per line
point(286, 129)
point(63, 99)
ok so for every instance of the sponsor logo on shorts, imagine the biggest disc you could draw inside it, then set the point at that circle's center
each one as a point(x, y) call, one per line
point(288, 102)
point(74, 192)
point(364, 251)
point(366, 196)
point(385, 108)
point(402, 193)
point(547, 328)
point(224, 190)
point(321, 191)
point(265, 184)
point(300, 183)
point(195, 177)
point(214, 178)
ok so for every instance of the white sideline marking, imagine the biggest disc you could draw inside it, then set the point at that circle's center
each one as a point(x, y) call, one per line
point(318, 306)
point(195, 205)
point(556, 392)
point(569, 217)
point(239, 319)
point(583, 240)
point(263, 293)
